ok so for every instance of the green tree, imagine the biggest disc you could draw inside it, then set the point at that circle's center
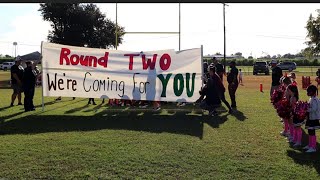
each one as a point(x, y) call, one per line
point(79, 25)
point(313, 28)
point(308, 53)
point(238, 54)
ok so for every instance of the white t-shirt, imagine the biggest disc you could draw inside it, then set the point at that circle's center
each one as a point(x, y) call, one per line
point(240, 74)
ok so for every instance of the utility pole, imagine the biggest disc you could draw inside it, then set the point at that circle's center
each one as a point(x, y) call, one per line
point(116, 26)
point(179, 26)
point(224, 34)
point(15, 49)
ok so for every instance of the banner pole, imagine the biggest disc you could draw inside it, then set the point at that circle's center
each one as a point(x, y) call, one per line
point(116, 26)
point(42, 78)
point(202, 65)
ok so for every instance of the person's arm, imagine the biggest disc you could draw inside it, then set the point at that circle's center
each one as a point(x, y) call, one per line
point(39, 74)
point(15, 76)
point(220, 85)
point(235, 75)
point(293, 102)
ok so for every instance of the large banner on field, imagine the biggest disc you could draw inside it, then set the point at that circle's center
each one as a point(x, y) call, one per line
point(164, 75)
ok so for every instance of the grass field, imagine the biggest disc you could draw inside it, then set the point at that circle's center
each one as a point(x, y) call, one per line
point(301, 70)
point(71, 140)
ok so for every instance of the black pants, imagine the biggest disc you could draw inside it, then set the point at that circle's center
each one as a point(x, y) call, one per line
point(232, 92)
point(210, 107)
point(91, 100)
point(223, 99)
point(28, 98)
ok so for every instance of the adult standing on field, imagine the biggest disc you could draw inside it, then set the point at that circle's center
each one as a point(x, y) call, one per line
point(276, 75)
point(232, 79)
point(16, 81)
point(219, 68)
point(29, 83)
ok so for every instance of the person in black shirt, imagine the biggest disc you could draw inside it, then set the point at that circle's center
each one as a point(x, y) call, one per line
point(220, 87)
point(276, 75)
point(232, 79)
point(16, 81)
point(210, 92)
point(219, 68)
point(29, 84)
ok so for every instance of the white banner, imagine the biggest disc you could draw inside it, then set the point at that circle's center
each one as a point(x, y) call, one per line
point(163, 75)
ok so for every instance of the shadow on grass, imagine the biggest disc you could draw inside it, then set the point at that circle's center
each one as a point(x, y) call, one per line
point(77, 109)
point(10, 116)
point(239, 115)
point(95, 109)
point(215, 121)
point(4, 108)
point(179, 123)
point(302, 158)
point(46, 104)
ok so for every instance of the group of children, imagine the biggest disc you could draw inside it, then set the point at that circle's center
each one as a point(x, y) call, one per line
point(293, 125)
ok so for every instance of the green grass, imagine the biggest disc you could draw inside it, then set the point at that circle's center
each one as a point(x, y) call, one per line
point(72, 140)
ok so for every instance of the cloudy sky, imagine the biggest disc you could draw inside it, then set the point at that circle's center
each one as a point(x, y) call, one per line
point(256, 29)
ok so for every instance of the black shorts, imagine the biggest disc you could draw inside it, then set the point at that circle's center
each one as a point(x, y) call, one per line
point(312, 124)
point(297, 122)
point(16, 88)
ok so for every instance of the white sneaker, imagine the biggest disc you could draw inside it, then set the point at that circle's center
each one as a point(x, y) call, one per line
point(144, 106)
point(182, 104)
point(311, 150)
point(290, 139)
point(157, 109)
point(306, 147)
point(283, 133)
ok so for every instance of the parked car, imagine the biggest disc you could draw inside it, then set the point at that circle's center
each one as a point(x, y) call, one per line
point(287, 66)
point(261, 67)
point(6, 65)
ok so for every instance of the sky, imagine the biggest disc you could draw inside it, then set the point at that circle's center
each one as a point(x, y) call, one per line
point(255, 29)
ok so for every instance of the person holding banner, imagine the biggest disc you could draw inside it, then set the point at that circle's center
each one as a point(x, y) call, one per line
point(220, 87)
point(210, 92)
point(219, 68)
